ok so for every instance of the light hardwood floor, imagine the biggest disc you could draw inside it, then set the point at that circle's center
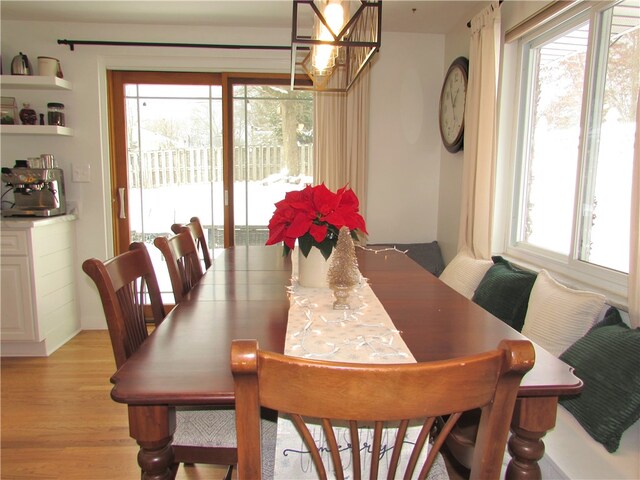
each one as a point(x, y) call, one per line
point(59, 422)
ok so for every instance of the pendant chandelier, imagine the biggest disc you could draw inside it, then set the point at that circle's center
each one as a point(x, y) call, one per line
point(333, 51)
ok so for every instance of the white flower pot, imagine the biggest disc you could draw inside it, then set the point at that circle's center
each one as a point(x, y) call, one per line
point(313, 269)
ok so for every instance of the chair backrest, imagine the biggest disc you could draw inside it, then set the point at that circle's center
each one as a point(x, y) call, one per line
point(195, 227)
point(329, 391)
point(124, 282)
point(181, 255)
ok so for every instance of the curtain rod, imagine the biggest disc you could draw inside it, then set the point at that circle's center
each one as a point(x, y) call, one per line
point(73, 43)
point(469, 22)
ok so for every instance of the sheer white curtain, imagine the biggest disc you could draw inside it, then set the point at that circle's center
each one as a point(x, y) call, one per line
point(342, 137)
point(478, 173)
point(634, 250)
point(330, 139)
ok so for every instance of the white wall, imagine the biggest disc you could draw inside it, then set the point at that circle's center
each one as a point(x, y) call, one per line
point(450, 180)
point(404, 142)
point(404, 145)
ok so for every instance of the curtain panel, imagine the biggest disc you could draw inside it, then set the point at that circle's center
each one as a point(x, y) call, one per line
point(634, 230)
point(342, 138)
point(480, 140)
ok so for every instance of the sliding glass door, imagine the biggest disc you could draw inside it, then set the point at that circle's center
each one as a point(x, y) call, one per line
point(220, 147)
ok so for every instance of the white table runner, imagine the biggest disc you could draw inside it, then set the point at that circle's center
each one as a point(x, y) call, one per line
point(364, 334)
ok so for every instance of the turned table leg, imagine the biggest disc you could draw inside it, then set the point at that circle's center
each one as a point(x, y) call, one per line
point(532, 418)
point(153, 427)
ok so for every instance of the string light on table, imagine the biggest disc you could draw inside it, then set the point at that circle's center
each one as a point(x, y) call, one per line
point(307, 342)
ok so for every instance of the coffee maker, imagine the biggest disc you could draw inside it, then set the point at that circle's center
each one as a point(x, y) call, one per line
point(37, 192)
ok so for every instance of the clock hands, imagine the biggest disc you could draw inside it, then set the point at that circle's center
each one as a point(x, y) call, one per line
point(453, 100)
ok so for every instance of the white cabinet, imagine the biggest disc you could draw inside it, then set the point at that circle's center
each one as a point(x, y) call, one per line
point(38, 312)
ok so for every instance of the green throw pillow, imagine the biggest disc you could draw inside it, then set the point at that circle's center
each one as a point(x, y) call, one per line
point(504, 291)
point(607, 360)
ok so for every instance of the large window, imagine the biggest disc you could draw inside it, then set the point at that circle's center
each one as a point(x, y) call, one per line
point(575, 140)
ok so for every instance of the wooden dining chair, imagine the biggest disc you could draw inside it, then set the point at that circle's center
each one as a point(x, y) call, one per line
point(181, 256)
point(379, 393)
point(195, 227)
point(126, 283)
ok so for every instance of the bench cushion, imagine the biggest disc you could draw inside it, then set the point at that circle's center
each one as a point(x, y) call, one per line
point(427, 255)
point(607, 360)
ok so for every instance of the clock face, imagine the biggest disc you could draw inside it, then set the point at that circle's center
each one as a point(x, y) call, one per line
point(452, 101)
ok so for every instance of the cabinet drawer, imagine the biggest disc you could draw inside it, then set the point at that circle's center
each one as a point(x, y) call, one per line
point(14, 242)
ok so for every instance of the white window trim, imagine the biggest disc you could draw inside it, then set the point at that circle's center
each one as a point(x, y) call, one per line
point(566, 269)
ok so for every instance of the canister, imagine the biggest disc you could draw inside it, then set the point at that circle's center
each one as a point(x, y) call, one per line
point(56, 114)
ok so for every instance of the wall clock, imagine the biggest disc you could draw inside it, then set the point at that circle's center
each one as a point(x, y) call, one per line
point(452, 101)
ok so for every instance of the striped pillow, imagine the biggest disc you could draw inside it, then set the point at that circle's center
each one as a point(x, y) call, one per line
point(607, 360)
point(557, 316)
point(465, 272)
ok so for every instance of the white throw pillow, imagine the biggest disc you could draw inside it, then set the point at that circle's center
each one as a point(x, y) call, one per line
point(557, 316)
point(464, 273)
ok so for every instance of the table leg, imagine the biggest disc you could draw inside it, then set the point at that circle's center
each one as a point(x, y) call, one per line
point(153, 427)
point(532, 418)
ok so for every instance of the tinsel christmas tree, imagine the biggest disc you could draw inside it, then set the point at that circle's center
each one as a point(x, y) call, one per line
point(343, 273)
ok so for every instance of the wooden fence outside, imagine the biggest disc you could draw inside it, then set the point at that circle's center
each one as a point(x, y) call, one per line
point(196, 165)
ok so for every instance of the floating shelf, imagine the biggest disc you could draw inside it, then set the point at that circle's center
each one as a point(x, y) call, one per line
point(34, 82)
point(35, 130)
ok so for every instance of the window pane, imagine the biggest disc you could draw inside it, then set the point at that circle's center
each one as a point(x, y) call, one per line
point(272, 154)
point(605, 238)
point(174, 165)
point(551, 153)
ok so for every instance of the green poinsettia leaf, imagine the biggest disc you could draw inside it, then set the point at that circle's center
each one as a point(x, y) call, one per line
point(305, 243)
point(326, 247)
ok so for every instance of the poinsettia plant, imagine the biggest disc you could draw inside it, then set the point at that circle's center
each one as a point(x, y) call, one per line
point(314, 217)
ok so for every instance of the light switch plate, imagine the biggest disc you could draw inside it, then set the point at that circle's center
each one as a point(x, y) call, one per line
point(81, 173)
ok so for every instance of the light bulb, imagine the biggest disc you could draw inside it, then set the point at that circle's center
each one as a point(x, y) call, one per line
point(324, 55)
point(334, 15)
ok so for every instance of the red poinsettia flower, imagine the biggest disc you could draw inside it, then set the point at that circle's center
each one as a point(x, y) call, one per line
point(314, 216)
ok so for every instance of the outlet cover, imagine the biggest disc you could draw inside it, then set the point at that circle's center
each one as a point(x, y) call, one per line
point(81, 173)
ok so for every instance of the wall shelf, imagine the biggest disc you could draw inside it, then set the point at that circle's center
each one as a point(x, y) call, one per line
point(34, 82)
point(35, 130)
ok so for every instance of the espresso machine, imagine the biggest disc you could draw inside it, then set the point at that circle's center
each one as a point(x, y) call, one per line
point(37, 192)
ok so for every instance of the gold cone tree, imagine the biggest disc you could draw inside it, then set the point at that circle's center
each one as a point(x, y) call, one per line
point(343, 273)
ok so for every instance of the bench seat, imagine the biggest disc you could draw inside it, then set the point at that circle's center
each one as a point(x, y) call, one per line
point(571, 453)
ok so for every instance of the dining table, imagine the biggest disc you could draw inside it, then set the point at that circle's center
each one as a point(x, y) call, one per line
point(245, 294)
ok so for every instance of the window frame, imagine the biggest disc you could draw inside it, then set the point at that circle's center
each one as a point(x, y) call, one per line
point(511, 177)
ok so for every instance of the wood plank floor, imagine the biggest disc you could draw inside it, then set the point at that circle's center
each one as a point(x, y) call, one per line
point(59, 422)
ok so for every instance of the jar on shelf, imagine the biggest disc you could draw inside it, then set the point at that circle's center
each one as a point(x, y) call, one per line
point(9, 111)
point(28, 115)
point(55, 114)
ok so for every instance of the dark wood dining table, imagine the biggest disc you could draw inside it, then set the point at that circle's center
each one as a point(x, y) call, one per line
point(185, 361)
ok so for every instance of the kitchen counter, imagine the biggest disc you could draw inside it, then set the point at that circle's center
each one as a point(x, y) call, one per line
point(32, 222)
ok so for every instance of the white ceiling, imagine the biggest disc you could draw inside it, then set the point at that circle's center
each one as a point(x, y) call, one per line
point(418, 16)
